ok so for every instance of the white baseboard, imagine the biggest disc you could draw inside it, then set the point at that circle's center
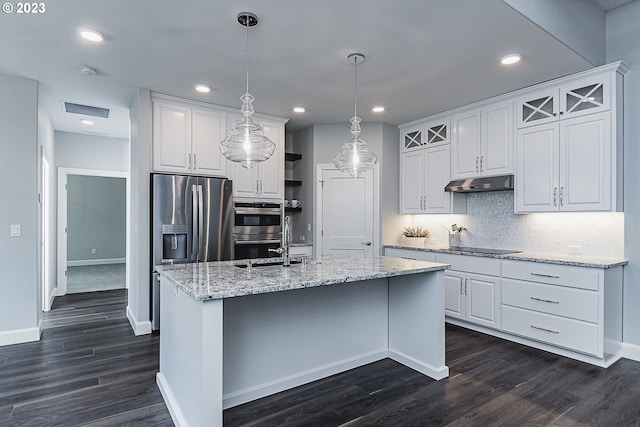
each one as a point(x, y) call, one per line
point(52, 297)
point(247, 395)
point(437, 373)
point(18, 336)
point(630, 351)
point(139, 328)
point(84, 262)
point(170, 400)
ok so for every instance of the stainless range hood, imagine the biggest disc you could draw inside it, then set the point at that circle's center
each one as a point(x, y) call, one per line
point(476, 185)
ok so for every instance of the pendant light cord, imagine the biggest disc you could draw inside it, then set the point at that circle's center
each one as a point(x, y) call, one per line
point(247, 40)
point(355, 86)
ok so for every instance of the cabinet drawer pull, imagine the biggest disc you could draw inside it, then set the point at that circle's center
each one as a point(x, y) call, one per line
point(545, 275)
point(406, 257)
point(544, 329)
point(545, 300)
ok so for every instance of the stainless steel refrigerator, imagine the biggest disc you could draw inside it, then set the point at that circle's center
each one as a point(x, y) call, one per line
point(192, 221)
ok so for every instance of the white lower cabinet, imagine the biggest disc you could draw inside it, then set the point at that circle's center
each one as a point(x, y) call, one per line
point(410, 254)
point(570, 310)
point(576, 309)
point(470, 296)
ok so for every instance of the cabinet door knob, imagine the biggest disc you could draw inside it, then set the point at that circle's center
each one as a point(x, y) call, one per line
point(561, 196)
point(555, 196)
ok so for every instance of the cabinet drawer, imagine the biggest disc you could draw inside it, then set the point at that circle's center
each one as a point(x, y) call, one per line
point(564, 275)
point(559, 300)
point(471, 264)
point(410, 254)
point(559, 331)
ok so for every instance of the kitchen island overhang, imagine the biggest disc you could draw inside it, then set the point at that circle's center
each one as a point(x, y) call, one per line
point(230, 335)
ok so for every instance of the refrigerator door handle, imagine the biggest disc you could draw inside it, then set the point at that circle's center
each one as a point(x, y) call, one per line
point(194, 223)
point(200, 223)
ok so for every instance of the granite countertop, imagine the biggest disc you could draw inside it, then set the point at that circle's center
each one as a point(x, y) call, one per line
point(543, 257)
point(224, 279)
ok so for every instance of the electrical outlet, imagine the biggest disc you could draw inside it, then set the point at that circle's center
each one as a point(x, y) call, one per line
point(308, 226)
point(575, 250)
point(94, 251)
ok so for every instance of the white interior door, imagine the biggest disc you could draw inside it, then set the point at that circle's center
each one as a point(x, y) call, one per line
point(347, 211)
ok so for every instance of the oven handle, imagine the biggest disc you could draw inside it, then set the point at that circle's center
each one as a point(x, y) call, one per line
point(260, 211)
point(255, 242)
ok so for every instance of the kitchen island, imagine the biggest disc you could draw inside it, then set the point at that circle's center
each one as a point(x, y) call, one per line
point(232, 333)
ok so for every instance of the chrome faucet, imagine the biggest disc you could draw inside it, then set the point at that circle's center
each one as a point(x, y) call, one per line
point(286, 239)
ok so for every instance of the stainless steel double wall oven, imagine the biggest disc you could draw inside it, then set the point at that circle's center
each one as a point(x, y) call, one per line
point(257, 228)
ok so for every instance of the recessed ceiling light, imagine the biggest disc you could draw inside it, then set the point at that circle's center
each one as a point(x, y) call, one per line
point(91, 35)
point(299, 109)
point(202, 88)
point(512, 58)
point(378, 109)
point(86, 122)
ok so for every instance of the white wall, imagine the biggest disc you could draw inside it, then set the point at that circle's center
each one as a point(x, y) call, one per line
point(139, 231)
point(96, 218)
point(79, 150)
point(623, 42)
point(46, 142)
point(319, 144)
point(20, 311)
point(390, 219)
point(579, 24)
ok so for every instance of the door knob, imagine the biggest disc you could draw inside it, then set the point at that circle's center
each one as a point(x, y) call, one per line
point(366, 243)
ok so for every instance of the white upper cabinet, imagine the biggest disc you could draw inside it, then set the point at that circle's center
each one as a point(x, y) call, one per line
point(423, 176)
point(483, 141)
point(572, 99)
point(266, 179)
point(466, 145)
point(186, 139)
point(412, 138)
point(565, 166)
point(496, 143)
point(572, 160)
point(209, 129)
point(437, 133)
point(171, 137)
point(430, 134)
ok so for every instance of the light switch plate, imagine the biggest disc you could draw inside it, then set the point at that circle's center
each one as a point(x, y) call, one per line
point(16, 230)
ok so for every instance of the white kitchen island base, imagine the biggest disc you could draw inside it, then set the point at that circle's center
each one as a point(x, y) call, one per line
point(215, 354)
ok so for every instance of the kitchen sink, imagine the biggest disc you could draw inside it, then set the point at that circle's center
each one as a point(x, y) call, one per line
point(267, 264)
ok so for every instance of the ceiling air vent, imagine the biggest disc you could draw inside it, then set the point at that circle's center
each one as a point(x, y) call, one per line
point(86, 110)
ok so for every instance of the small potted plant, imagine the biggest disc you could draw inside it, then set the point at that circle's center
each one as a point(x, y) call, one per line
point(415, 235)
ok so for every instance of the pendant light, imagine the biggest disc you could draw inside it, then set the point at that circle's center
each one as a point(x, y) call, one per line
point(355, 156)
point(246, 143)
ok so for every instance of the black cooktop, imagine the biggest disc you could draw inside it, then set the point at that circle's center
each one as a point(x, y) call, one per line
point(483, 250)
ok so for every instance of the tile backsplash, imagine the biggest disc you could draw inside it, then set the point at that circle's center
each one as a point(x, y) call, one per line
point(491, 223)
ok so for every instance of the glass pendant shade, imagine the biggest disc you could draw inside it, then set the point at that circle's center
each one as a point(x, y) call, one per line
point(246, 143)
point(355, 156)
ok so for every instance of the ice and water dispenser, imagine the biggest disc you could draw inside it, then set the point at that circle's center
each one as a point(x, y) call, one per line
point(175, 243)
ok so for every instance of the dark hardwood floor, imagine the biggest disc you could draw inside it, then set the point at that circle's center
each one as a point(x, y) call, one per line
point(90, 370)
